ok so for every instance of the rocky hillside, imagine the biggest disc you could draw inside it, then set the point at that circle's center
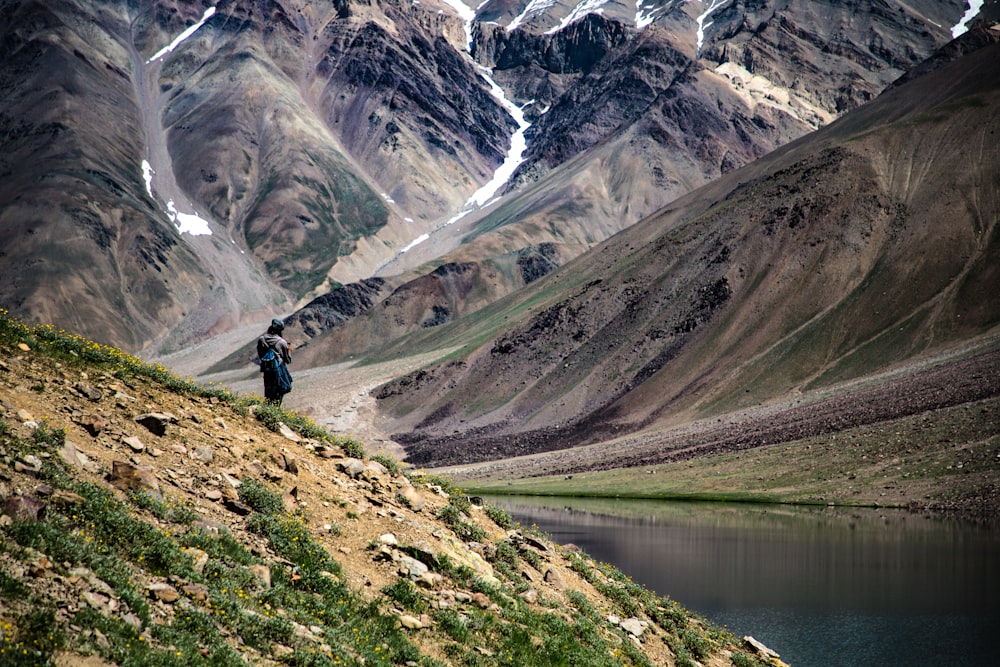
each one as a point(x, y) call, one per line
point(150, 521)
point(174, 169)
point(863, 248)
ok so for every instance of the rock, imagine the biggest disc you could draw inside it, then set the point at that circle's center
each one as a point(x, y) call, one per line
point(230, 480)
point(164, 592)
point(134, 443)
point(352, 467)
point(633, 626)
point(481, 600)
point(72, 456)
point(389, 539)
point(429, 580)
point(91, 424)
point(376, 468)
point(88, 391)
point(130, 477)
point(533, 541)
point(263, 574)
point(759, 648)
point(214, 495)
point(197, 592)
point(178, 448)
point(413, 498)
point(29, 464)
point(279, 651)
point(122, 399)
point(65, 499)
point(530, 596)
point(288, 433)
point(236, 507)
point(23, 347)
point(203, 454)
point(25, 416)
point(156, 422)
point(199, 558)
point(24, 508)
point(553, 578)
point(95, 600)
point(411, 567)
point(410, 622)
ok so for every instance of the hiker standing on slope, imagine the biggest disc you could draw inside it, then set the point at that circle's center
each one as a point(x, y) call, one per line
point(275, 355)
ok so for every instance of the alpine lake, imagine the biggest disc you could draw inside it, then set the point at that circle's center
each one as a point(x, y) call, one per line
point(822, 586)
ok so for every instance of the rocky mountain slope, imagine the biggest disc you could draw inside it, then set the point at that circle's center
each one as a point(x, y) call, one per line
point(146, 520)
point(172, 170)
point(866, 246)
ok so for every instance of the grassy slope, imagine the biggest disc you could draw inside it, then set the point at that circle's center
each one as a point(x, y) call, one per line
point(80, 578)
point(940, 459)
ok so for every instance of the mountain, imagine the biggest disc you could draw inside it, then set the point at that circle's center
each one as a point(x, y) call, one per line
point(843, 260)
point(172, 170)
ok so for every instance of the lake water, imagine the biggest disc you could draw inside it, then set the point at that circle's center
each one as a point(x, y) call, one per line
point(824, 587)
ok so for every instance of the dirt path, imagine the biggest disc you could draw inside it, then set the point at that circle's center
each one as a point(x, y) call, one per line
point(338, 396)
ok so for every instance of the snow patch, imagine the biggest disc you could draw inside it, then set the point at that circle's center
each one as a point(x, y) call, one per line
point(644, 18)
point(414, 243)
point(581, 10)
point(712, 6)
point(468, 15)
point(147, 176)
point(972, 12)
point(188, 223)
point(518, 144)
point(533, 7)
point(209, 13)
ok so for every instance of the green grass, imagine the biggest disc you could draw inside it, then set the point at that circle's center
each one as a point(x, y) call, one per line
point(916, 457)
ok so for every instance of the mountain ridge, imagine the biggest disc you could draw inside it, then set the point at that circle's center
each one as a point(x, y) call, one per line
point(301, 134)
point(786, 228)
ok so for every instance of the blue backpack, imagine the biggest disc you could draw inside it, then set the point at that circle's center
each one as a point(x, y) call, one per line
point(270, 361)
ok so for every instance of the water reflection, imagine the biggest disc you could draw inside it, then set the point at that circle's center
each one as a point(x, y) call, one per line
point(824, 586)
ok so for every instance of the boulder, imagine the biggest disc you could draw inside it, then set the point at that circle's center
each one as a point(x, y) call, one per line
point(130, 477)
point(156, 422)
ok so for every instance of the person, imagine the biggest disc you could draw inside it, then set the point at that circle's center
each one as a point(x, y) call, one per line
point(273, 340)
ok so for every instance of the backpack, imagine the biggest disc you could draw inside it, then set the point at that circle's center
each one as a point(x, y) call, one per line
point(270, 361)
point(284, 379)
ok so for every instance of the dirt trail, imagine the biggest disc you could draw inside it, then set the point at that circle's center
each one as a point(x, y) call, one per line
point(338, 396)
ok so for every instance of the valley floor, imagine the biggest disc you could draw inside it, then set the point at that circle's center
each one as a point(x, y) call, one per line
point(927, 436)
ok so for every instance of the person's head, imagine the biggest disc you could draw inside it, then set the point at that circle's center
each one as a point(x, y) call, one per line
point(277, 326)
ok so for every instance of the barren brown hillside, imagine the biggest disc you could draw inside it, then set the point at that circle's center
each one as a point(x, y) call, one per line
point(871, 244)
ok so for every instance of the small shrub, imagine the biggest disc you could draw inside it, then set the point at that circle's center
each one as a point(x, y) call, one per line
point(696, 643)
point(260, 498)
point(452, 624)
point(464, 530)
point(741, 659)
point(406, 594)
point(505, 553)
point(500, 517)
point(390, 464)
point(532, 557)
